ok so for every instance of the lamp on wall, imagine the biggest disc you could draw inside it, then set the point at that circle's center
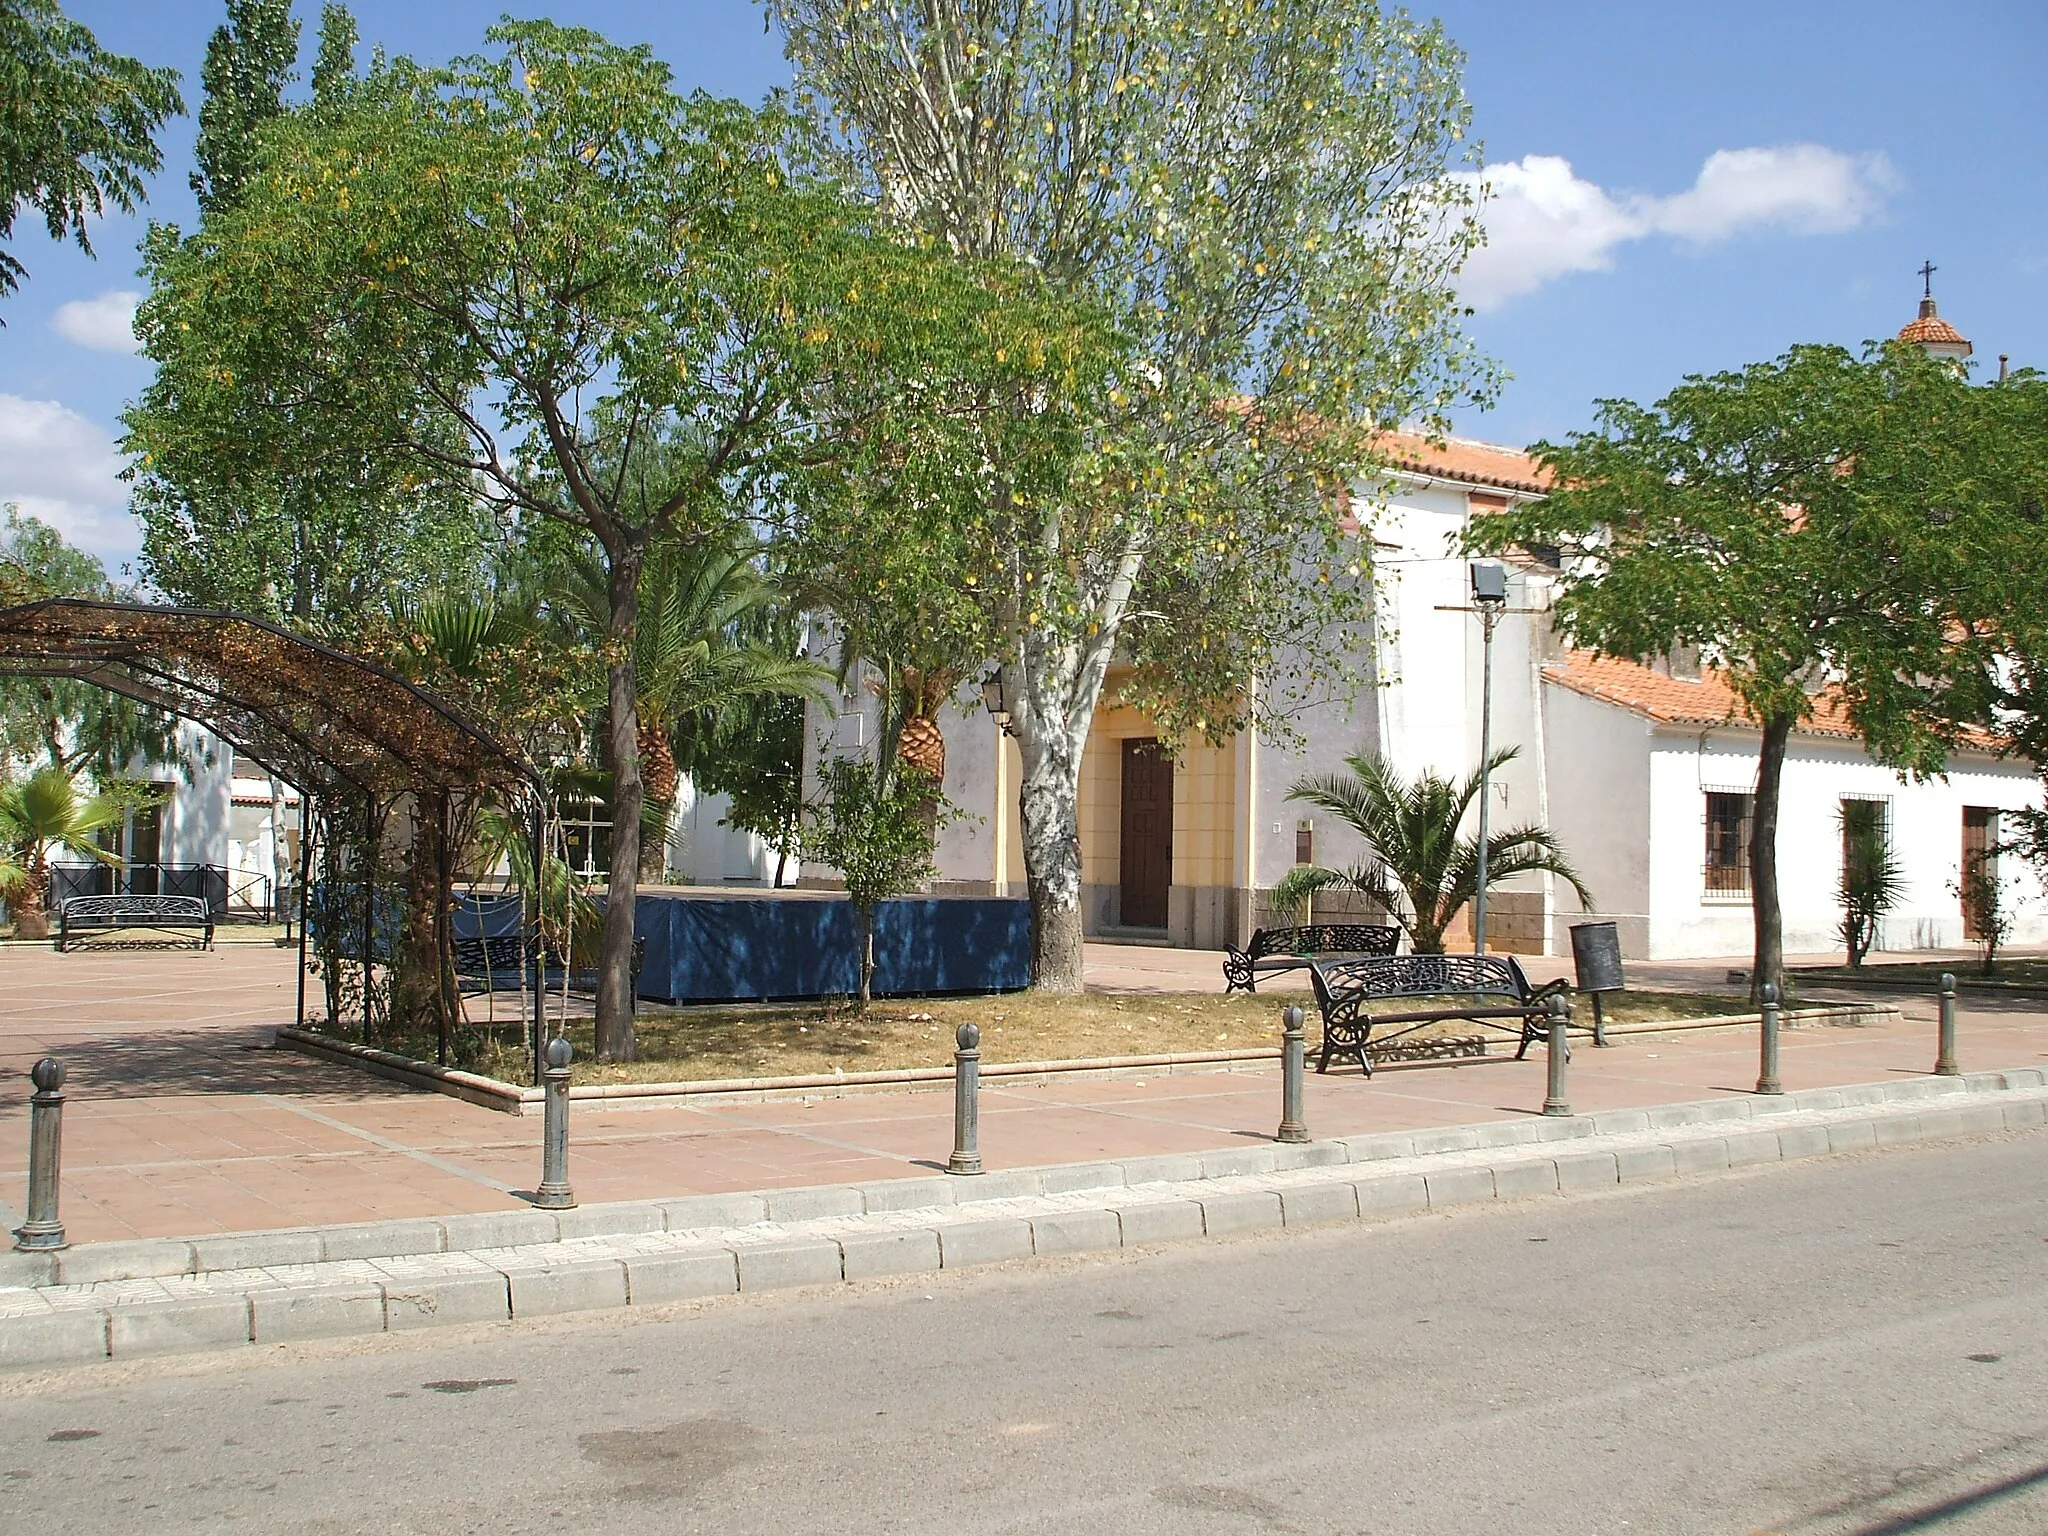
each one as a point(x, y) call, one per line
point(992, 697)
point(1490, 597)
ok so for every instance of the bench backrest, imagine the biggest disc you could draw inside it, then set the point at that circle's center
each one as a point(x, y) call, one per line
point(1326, 939)
point(1420, 976)
point(189, 908)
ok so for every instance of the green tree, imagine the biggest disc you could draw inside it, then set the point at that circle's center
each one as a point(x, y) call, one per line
point(756, 759)
point(1258, 199)
point(1809, 524)
point(1418, 866)
point(334, 66)
point(61, 722)
point(695, 656)
point(77, 126)
point(871, 824)
point(45, 811)
point(516, 276)
point(312, 526)
point(248, 64)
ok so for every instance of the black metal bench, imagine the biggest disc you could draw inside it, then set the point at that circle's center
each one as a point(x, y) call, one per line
point(80, 916)
point(1274, 950)
point(1349, 993)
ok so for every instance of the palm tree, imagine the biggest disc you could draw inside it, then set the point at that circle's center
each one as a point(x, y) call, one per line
point(43, 810)
point(1417, 866)
point(699, 654)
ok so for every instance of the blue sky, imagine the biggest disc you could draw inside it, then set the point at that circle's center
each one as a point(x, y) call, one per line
point(1678, 189)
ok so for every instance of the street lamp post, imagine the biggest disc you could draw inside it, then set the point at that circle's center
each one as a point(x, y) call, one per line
point(1490, 597)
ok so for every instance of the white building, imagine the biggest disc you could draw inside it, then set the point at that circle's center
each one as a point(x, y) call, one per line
point(1646, 777)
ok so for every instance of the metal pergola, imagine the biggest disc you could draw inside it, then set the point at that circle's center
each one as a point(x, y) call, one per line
point(351, 735)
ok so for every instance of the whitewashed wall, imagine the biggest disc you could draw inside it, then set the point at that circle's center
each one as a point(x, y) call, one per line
point(1926, 821)
point(1598, 778)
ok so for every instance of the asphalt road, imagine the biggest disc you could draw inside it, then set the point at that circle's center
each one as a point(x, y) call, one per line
point(1830, 1346)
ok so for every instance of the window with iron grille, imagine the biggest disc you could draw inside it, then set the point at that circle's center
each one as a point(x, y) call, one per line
point(1730, 819)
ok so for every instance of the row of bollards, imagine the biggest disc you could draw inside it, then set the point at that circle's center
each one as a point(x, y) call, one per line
point(1771, 1019)
point(43, 1231)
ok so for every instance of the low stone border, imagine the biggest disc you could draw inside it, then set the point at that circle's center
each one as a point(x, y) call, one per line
point(277, 1287)
point(495, 1093)
point(1928, 987)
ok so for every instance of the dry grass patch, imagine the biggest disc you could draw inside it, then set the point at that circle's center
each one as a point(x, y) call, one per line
point(733, 1040)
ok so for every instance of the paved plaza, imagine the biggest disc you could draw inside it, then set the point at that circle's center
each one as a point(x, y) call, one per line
point(182, 1121)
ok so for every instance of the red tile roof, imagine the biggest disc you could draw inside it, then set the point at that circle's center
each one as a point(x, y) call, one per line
point(1680, 701)
point(1932, 329)
point(1929, 329)
point(1707, 701)
point(1458, 458)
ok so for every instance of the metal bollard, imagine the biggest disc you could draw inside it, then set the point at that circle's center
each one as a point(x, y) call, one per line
point(966, 1156)
point(1293, 1054)
point(1560, 1011)
point(1767, 1080)
point(554, 1193)
point(1945, 1051)
point(43, 1232)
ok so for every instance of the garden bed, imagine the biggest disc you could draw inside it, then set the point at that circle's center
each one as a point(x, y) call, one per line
point(2021, 974)
point(758, 1040)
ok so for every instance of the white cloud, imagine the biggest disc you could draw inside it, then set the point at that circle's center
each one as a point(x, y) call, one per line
point(58, 466)
point(1543, 221)
point(105, 323)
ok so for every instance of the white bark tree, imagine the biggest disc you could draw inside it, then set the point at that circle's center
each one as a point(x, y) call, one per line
point(1260, 199)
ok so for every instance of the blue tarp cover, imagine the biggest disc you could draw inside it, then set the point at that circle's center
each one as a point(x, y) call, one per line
point(710, 949)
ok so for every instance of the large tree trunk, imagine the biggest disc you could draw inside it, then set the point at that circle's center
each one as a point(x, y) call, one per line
point(1769, 964)
point(1052, 864)
point(416, 972)
point(615, 1041)
point(1054, 687)
point(659, 783)
point(30, 920)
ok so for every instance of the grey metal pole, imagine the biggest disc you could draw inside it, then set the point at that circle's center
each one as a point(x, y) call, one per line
point(1945, 1053)
point(966, 1156)
point(537, 862)
point(43, 1232)
point(1767, 1080)
point(1599, 1024)
point(1293, 1054)
point(1487, 619)
point(554, 1193)
point(1560, 1052)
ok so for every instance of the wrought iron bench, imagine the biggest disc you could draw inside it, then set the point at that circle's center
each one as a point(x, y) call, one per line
point(79, 916)
point(1274, 950)
point(1348, 993)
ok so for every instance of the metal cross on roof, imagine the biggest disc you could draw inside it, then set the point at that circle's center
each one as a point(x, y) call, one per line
point(1927, 271)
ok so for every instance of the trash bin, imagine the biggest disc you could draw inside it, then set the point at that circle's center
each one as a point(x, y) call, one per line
point(1596, 956)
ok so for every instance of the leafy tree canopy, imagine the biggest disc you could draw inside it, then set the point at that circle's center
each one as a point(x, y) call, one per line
point(541, 281)
point(77, 126)
point(1822, 520)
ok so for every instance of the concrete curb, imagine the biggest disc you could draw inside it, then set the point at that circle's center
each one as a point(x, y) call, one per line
point(128, 1300)
point(511, 1098)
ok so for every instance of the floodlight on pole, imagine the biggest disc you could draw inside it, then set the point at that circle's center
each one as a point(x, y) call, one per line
point(1490, 597)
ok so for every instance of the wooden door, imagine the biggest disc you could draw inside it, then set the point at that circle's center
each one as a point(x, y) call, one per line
point(1145, 854)
point(1979, 822)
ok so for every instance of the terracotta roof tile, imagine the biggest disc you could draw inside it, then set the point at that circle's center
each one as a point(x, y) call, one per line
point(1680, 701)
point(1458, 458)
point(1931, 328)
point(1708, 701)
